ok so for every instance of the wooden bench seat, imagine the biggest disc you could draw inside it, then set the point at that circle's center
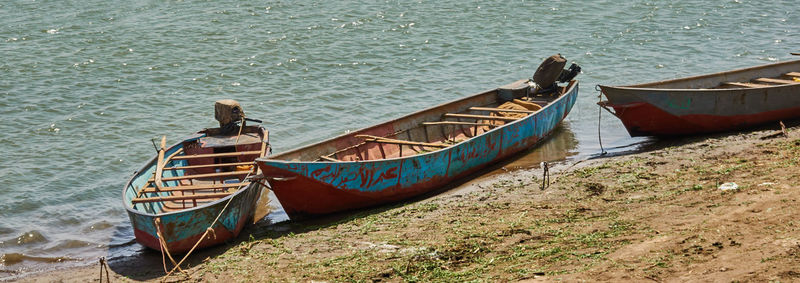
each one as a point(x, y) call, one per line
point(479, 117)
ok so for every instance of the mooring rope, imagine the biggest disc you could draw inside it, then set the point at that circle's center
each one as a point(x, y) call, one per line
point(163, 243)
point(209, 229)
point(599, 114)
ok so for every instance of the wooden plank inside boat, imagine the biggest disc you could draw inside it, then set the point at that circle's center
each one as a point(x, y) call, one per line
point(402, 142)
point(195, 187)
point(479, 117)
point(323, 157)
point(223, 154)
point(747, 85)
point(209, 165)
point(501, 110)
point(204, 176)
point(185, 197)
point(775, 81)
point(457, 123)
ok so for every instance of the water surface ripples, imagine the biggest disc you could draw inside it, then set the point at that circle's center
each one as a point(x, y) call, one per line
point(85, 85)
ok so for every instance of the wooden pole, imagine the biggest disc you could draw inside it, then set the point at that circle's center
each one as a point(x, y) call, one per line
point(160, 163)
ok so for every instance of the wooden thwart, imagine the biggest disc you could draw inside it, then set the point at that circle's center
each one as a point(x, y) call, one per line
point(210, 175)
point(195, 187)
point(479, 117)
point(457, 123)
point(501, 110)
point(775, 81)
point(223, 154)
point(402, 142)
point(186, 197)
point(747, 85)
point(326, 158)
point(208, 165)
point(792, 74)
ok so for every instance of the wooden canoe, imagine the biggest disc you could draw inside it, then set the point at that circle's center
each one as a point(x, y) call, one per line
point(200, 175)
point(717, 102)
point(411, 155)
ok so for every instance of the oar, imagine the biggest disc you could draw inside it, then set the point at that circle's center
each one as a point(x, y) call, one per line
point(160, 164)
point(795, 53)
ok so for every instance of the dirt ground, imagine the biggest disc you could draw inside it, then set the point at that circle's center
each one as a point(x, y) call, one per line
point(658, 215)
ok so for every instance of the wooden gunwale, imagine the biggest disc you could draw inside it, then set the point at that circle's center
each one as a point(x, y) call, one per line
point(719, 75)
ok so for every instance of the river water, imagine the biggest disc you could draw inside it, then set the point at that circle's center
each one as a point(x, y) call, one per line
point(86, 85)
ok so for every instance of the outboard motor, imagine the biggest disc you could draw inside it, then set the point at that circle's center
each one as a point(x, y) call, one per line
point(544, 80)
point(552, 71)
point(547, 73)
point(569, 74)
point(229, 114)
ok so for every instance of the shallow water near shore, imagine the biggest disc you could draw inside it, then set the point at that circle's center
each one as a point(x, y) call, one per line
point(86, 85)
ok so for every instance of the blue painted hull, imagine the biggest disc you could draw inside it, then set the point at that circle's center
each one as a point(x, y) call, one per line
point(310, 187)
point(182, 229)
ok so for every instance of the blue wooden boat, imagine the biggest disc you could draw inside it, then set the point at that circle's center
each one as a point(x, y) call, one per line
point(417, 153)
point(176, 196)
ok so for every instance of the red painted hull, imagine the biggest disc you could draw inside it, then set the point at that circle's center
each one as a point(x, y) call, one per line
point(302, 196)
point(643, 119)
point(372, 176)
point(709, 103)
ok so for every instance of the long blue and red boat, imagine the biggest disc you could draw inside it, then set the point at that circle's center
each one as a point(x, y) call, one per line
point(198, 183)
point(725, 101)
point(418, 153)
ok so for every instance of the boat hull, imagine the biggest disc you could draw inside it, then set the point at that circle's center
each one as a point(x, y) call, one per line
point(182, 229)
point(312, 188)
point(695, 105)
point(662, 112)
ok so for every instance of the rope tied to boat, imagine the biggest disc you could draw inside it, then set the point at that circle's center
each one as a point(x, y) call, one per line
point(599, 114)
point(210, 229)
point(163, 244)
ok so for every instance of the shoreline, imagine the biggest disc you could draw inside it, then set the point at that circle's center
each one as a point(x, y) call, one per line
point(657, 214)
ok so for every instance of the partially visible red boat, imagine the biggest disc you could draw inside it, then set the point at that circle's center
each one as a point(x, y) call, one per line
point(708, 103)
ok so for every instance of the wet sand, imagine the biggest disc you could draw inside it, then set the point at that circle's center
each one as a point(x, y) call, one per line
point(654, 215)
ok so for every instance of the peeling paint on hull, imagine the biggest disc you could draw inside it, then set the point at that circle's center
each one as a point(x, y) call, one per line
point(699, 105)
point(310, 188)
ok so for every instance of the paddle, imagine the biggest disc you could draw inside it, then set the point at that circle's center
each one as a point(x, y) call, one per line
point(795, 53)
